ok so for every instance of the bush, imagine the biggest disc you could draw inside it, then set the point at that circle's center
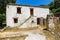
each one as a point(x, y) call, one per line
point(56, 10)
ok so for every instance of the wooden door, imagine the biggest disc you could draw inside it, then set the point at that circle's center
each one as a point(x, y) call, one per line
point(38, 21)
point(31, 11)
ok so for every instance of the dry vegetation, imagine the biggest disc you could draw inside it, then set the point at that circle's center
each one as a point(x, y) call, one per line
point(53, 35)
point(14, 38)
point(19, 29)
point(48, 34)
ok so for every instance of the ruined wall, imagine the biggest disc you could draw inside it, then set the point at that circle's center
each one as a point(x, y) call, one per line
point(52, 21)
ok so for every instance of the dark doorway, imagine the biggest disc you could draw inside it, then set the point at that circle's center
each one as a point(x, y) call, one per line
point(43, 21)
point(31, 11)
point(38, 21)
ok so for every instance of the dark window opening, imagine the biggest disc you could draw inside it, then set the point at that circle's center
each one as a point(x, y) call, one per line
point(18, 10)
point(38, 21)
point(31, 11)
point(15, 20)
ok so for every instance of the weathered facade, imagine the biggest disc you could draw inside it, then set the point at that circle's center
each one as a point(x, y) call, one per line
point(24, 16)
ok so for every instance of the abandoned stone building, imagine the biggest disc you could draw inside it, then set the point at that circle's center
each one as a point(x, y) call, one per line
point(25, 16)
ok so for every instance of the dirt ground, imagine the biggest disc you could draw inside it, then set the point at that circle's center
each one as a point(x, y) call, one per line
point(38, 29)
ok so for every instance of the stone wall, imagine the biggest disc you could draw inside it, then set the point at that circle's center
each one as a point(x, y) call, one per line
point(52, 21)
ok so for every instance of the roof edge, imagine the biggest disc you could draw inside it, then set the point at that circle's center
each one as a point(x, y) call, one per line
point(26, 5)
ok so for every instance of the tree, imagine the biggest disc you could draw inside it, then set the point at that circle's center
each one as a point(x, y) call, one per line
point(55, 6)
point(3, 4)
point(56, 3)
